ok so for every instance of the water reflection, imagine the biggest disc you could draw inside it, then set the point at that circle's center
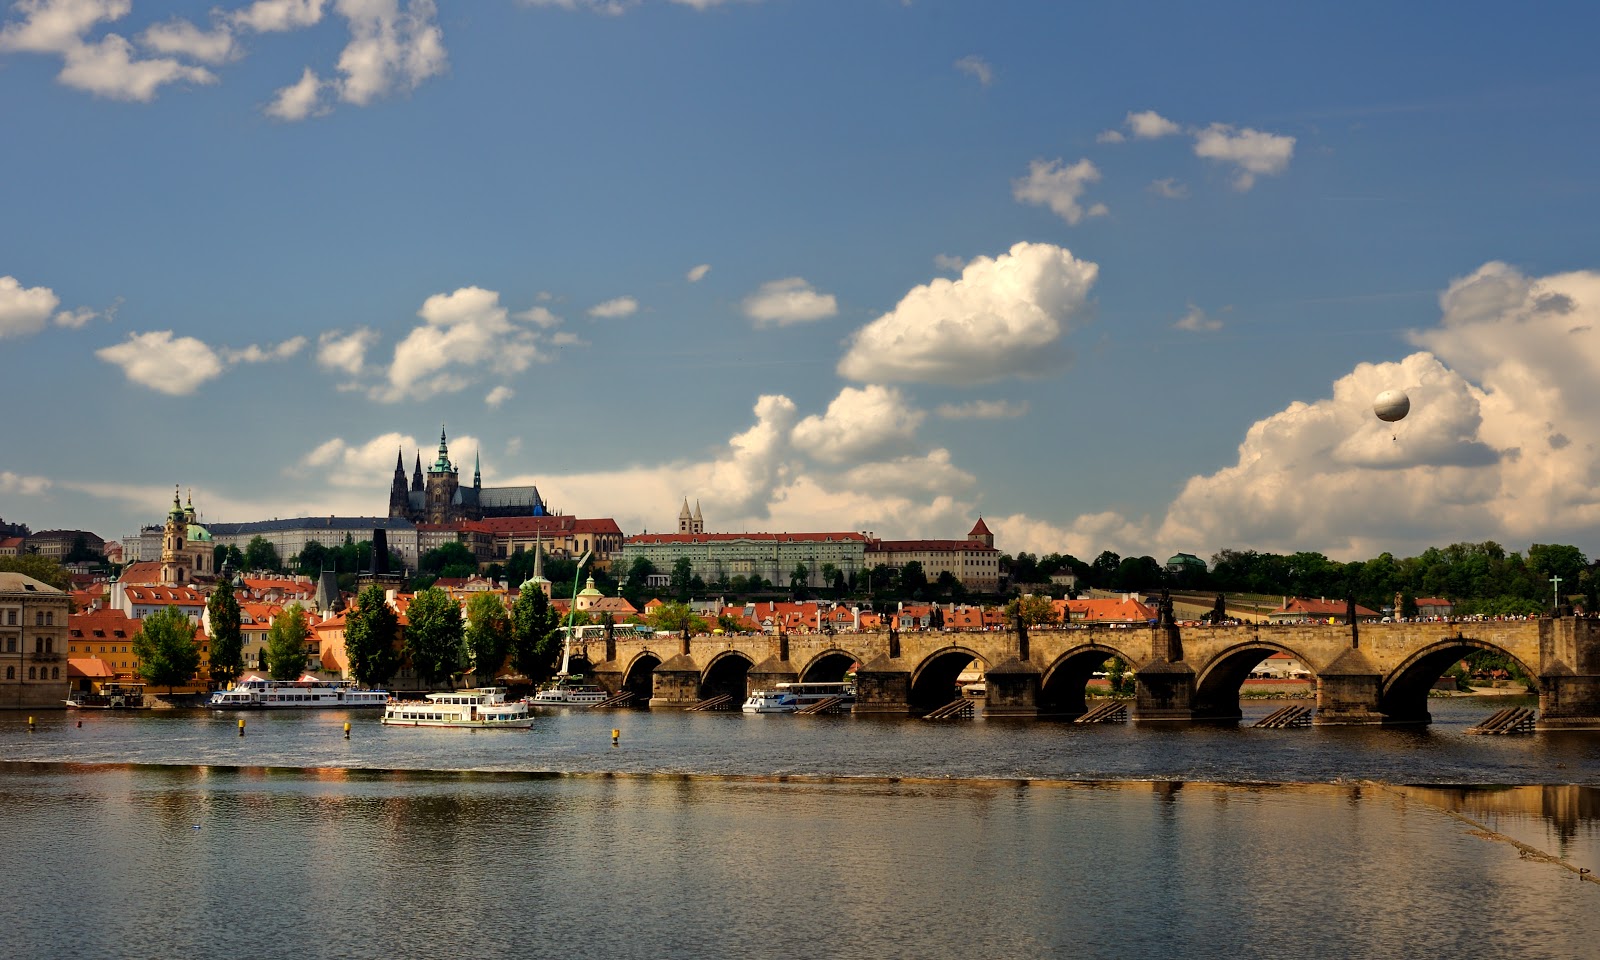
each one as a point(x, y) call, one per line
point(264, 862)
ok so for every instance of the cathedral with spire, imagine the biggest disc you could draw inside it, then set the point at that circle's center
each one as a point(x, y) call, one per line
point(439, 496)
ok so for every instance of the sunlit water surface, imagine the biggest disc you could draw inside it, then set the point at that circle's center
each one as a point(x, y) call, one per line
point(168, 835)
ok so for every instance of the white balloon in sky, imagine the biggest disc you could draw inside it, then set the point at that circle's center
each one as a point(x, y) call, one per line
point(1391, 405)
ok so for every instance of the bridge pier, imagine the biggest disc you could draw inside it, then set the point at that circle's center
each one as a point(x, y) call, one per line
point(1163, 690)
point(676, 684)
point(1569, 703)
point(771, 672)
point(1350, 692)
point(1011, 689)
point(883, 686)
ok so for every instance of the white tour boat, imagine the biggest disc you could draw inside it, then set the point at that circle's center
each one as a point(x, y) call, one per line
point(482, 708)
point(569, 690)
point(790, 697)
point(307, 693)
point(771, 701)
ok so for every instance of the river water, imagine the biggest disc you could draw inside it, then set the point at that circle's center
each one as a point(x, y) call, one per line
point(166, 834)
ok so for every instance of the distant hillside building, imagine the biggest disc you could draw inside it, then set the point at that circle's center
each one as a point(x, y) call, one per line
point(289, 537)
point(440, 498)
point(974, 562)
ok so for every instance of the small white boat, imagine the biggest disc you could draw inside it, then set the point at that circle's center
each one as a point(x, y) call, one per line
point(482, 708)
point(838, 696)
point(307, 693)
point(771, 701)
point(569, 691)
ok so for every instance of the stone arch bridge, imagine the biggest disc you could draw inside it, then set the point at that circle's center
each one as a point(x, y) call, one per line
point(1368, 673)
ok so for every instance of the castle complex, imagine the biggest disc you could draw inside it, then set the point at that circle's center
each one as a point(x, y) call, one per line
point(440, 498)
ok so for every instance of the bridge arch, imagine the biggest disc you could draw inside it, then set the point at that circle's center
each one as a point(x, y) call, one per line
point(639, 676)
point(933, 682)
point(728, 674)
point(1216, 688)
point(829, 666)
point(1405, 689)
point(1062, 689)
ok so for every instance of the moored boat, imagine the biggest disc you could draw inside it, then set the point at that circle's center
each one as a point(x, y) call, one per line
point(569, 690)
point(111, 696)
point(307, 693)
point(771, 701)
point(481, 708)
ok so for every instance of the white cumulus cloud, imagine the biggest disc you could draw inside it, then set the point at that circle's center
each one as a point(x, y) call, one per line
point(977, 68)
point(1149, 125)
point(1195, 320)
point(1501, 442)
point(858, 421)
point(106, 67)
point(1057, 186)
point(790, 300)
point(1253, 152)
point(182, 38)
point(461, 332)
point(279, 16)
point(337, 350)
point(616, 307)
point(1003, 317)
point(391, 48)
point(298, 100)
point(22, 483)
point(24, 310)
point(176, 366)
point(982, 410)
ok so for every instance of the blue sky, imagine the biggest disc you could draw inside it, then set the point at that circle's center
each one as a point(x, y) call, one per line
point(1122, 278)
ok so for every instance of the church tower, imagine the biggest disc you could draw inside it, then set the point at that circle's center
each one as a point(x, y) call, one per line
point(172, 543)
point(443, 481)
point(398, 499)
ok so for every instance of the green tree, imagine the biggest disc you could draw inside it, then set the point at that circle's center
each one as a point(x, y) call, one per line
point(227, 638)
point(165, 648)
point(535, 635)
point(80, 551)
point(488, 635)
point(450, 560)
point(286, 643)
point(672, 617)
point(313, 557)
point(260, 554)
point(39, 568)
point(913, 580)
point(370, 634)
point(682, 576)
point(1036, 610)
point(433, 636)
